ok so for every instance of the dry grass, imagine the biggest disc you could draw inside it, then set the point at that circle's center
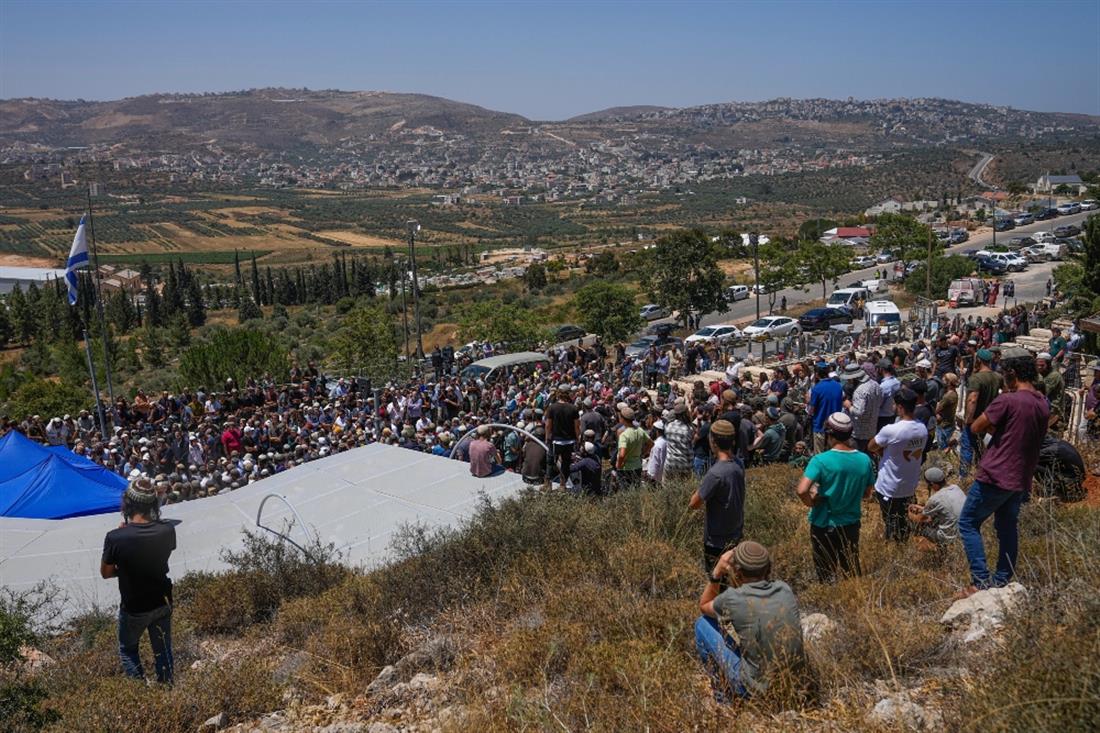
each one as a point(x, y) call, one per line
point(577, 615)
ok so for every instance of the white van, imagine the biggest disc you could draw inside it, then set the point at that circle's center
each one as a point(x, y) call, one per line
point(846, 298)
point(494, 367)
point(966, 291)
point(882, 314)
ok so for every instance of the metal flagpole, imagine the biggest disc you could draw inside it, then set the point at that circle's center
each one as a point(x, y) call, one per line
point(95, 387)
point(99, 303)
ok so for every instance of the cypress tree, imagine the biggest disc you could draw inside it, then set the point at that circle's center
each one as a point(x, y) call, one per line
point(255, 276)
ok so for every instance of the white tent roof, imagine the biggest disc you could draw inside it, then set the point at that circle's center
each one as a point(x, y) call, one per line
point(356, 500)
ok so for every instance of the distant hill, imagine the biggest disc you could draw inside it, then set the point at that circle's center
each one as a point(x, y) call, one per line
point(265, 118)
point(617, 113)
point(279, 120)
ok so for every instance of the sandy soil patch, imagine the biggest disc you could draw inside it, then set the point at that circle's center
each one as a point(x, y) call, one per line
point(357, 239)
point(13, 260)
point(36, 214)
point(251, 211)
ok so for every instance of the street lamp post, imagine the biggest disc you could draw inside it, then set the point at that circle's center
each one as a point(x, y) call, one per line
point(414, 226)
point(754, 240)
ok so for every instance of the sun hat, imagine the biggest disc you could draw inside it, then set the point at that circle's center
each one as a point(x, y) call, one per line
point(853, 371)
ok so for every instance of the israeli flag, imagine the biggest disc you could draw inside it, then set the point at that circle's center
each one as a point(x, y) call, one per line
point(78, 257)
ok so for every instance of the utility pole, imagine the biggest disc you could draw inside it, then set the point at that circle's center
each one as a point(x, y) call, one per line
point(754, 240)
point(99, 302)
point(404, 310)
point(414, 226)
point(928, 268)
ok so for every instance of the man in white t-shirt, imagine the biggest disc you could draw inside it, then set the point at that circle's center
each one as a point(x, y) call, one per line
point(901, 446)
point(655, 464)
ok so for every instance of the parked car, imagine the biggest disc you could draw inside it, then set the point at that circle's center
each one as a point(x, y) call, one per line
point(1016, 261)
point(723, 334)
point(884, 257)
point(987, 263)
point(1067, 230)
point(1089, 205)
point(645, 343)
point(1042, 237)
point(735, 293)
point(1044, 214)
point(762, 289)
point(958, 236)
point(1070, 207)
point(662, 330)
point(1034, 253)
point(1004, 225)
point(568, 332)
point(1022, 219)
point(1024, 241)
point(863, 261)
point(772, 327)
point(1052, 250)
point(820, 319)
point(652, 312)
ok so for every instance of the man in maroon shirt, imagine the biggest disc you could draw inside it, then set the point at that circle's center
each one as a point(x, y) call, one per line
point(1017, 420)
point(484, 457)
point(231, 438)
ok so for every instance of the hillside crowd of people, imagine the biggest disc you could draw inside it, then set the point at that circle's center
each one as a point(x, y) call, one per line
point(858, 426)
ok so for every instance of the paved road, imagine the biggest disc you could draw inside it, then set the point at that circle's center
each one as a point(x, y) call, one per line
point(744, 311)
point(976, 172)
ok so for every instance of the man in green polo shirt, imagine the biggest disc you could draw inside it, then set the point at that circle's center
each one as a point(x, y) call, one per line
point(633, 443)
point(833, 487)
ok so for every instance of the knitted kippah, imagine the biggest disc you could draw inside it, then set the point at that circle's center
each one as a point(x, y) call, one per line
point(752, 557)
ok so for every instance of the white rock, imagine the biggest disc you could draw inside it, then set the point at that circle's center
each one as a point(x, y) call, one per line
point(900, 710)
point(816, 626)
point(423, 682)
point(35, 659)
point(217, 722)
point(984, 612)
point(386, 678)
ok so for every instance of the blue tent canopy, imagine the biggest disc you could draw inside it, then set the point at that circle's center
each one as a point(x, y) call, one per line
point(40, 482)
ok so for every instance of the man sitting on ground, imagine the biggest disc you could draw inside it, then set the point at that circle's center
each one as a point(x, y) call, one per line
point(938, 520)
point(764, 631)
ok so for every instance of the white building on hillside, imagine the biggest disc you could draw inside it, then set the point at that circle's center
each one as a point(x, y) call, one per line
point(24, 276)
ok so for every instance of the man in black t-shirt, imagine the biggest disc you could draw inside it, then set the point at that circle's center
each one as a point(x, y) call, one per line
point(563, 426)
point(947, 357)
point(137, 554)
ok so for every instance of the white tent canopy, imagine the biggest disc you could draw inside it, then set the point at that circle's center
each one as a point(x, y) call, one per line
point(356, 500)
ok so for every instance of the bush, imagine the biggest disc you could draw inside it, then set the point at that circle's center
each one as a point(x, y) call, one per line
point(46, 398)
point(944, 270)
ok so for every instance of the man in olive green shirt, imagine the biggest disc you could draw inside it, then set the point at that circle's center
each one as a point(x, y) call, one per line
point(983, 386)
point(1054, 387)
point(633, 444)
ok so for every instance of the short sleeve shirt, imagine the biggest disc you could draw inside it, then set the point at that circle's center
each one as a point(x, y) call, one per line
point(841, 478)
point(633, 440)
point(723, 493)
point(1019, 421)
point(903, 445)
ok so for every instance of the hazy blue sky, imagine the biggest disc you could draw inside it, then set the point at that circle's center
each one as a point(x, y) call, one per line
point(550, 60)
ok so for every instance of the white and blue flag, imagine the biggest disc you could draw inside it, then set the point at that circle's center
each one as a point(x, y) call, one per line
point(78, 257)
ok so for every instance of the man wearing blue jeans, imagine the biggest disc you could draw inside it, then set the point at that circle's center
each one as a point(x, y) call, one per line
point(1017, 421)
point(763, 615)
point(981, 389)
point(137, 554)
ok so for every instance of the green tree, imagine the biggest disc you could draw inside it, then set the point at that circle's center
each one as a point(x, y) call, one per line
point(944, 270)
point(5, 325)
point(493, 321)
point(822, 263)
point(248, 310)
point(814, 229)
point(153, 307)
point(22, 318)
point(535, 277)
point(152, 347)
point(682, 274)
point(45, 397)
point(366, 343)
point(906, 237)
point(196, 304)
point(1091, 255)
point(779, 268)
point(608, 310)
point(602, 264)
point(240, 354)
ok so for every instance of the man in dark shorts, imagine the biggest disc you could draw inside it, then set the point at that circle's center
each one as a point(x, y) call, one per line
point(722, 493)
point(137, 554)
point(563, 427)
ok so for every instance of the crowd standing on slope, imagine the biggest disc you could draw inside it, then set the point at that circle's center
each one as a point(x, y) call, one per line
point(590, 425)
